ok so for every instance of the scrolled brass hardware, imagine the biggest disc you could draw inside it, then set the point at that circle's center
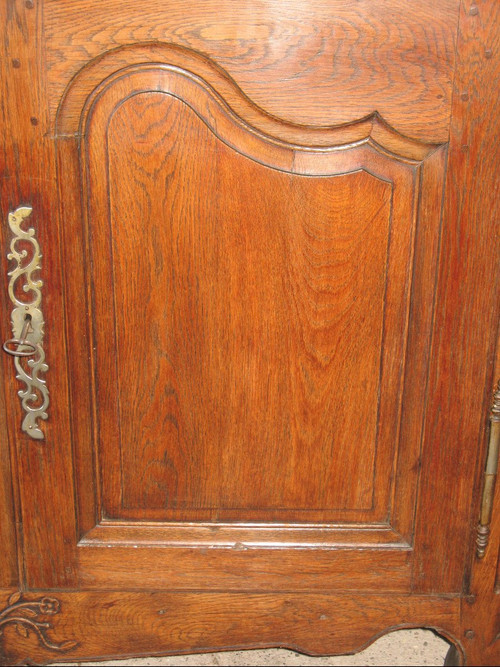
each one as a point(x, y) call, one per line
point(490, 476)
point(27, 323)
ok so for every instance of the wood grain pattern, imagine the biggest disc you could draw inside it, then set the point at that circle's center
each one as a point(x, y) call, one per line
point(8, 194)
point(238, 567)
point(28, 176)
point(203, 75)
point(469, 269)
point(194, 267)
point(126, 624)
point(324, 63)
point(146, 139)
point(479, 39)
point(190, 281)
point(8, 555)
point(139, 103)
point(239, 536)
point(480, 611)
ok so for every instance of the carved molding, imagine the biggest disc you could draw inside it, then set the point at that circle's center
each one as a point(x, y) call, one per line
point(35, 397)
point(25, 616)
point(172, 63)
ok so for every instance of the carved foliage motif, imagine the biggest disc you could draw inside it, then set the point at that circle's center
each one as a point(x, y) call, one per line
point(25, 617)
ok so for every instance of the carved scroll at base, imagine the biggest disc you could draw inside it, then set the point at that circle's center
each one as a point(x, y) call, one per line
point(26, 617)
point(25, 251)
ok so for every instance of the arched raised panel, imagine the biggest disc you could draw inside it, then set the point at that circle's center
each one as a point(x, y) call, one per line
point(259, 315)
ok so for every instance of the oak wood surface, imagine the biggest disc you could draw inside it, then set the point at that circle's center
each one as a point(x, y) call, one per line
point(8, 537)
point(470, 249)
point(246, 380)
point(213, 286)
point(8, 476)
point(324, 62)
point(239, 567)
point(134, 624)
point(135, 102)
point(480, 612)
point(28, 177)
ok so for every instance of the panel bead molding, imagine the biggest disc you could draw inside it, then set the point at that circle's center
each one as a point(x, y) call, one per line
point(27, 617)
point(27, 322)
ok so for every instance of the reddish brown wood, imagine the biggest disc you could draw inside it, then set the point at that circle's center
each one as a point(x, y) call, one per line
point(8, 191)
point(347, 58)
point(30, 170)
point(467, 318)
point(8, 555)
point(204, 310)
point(8, 538)
point(270, 344)
point(480, 612)
point(238, 567)
point(124, 624)
point(247, 380)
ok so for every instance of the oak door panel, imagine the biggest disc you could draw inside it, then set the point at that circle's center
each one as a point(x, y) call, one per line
point(248, 326)
point(244, 307)
point(255, 304)
point(248, 301)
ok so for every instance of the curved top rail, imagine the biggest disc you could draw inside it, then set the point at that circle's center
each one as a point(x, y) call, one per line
point(104, 70)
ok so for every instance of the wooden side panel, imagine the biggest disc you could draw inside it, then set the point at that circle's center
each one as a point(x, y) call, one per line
point(480, 610)
point(9, 198)
point(480, 613)
point(44, 469)
point(465, 329)
point(8, 538)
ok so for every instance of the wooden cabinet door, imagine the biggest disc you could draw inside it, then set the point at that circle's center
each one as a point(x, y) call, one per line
point(268, 291)
point(250, 337)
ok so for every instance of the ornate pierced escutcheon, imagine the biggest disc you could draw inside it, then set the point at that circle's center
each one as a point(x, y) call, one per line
point(27, 323)
point(27, 618)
